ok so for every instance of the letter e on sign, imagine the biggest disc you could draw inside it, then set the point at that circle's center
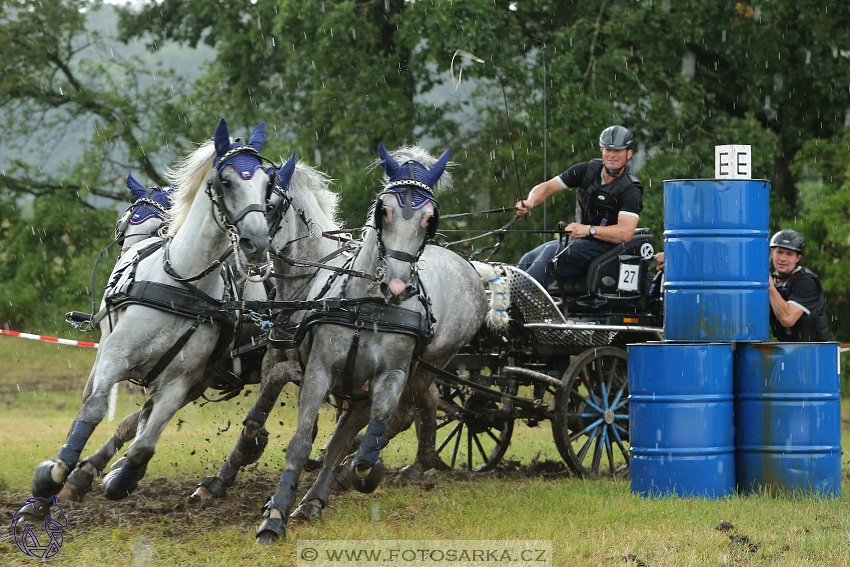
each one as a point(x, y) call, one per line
point(733, 162)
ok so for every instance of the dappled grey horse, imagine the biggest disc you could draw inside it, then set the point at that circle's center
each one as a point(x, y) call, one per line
point(364, 352)
point(151, 312)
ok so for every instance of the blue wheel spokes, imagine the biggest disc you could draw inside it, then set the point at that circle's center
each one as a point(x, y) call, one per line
point(586, 430)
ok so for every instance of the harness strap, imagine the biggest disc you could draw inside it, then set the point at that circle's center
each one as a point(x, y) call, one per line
point(175, 300)
point(372, 314)
point(348, 373)
point(319, 264)
point(166, 264)
point(171, 353)
point(399, 255)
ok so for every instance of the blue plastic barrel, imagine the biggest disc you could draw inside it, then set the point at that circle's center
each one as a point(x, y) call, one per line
point(788, 418)
point(716, 260)
point(680, 419)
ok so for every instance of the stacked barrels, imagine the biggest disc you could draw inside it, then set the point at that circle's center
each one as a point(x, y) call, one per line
point(714, 407)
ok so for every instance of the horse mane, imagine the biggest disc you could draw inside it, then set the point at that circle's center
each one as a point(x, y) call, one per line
point(188, 177)
point(308, 178)
point(403, 155)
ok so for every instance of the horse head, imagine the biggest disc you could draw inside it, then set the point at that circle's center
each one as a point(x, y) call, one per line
point(406, 215)
point(239, 186)
point(147, 214)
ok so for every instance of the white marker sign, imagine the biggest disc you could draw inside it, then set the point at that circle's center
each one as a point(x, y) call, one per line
point(733, 162)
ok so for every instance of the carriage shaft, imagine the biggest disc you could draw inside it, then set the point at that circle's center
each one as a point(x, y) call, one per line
point(533, 375)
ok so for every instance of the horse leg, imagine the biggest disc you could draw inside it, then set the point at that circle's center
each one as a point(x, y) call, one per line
point(253, 438)
point(50, 475)
point(339, 445)
point(79, 483)
point(314, 388)
point(420, 395)
point(366, 465)
point(155, 415)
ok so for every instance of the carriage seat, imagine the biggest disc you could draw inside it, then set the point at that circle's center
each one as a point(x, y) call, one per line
point(604, 273)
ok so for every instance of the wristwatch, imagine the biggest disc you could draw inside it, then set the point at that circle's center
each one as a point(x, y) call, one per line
point(592, 231)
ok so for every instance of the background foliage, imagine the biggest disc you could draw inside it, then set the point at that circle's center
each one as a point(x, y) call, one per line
point(332, 78)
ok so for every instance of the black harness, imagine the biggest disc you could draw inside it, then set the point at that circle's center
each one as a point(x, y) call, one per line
point(123, 290)
point(371, 314)
point(189, 301)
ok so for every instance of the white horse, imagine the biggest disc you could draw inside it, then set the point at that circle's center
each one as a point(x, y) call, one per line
point(310, 193)
point(158, 328)
point(146, 217)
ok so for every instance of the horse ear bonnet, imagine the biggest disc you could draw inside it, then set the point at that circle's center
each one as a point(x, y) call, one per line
point(245, 163)
point(136, 189)
point(414, 181)
point(284, 174)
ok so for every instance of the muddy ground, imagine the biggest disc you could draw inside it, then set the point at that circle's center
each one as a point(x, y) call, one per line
point(241, 506)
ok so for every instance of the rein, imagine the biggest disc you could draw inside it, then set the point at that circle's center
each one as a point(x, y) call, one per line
point(321, 265)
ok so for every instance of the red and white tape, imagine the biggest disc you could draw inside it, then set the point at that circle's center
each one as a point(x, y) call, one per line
point(48, 339)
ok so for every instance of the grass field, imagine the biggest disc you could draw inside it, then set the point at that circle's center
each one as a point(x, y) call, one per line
point(588, 522)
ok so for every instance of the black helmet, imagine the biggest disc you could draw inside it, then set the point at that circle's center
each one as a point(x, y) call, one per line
point(616, 138)
point(790, 239)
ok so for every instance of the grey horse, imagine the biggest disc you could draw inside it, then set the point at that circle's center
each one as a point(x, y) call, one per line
point(392, 250)
point(136, 338)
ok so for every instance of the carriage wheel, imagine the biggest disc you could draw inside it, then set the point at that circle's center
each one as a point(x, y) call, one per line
point(473, 428)
point(591, 423)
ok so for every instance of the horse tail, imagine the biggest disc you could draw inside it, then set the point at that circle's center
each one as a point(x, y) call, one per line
point(499, 299)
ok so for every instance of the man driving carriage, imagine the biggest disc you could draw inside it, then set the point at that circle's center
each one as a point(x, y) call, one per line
point(609, 200)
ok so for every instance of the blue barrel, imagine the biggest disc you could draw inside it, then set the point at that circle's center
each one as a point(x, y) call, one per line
point(716, 260)
point(788, 418)
point(680, 419)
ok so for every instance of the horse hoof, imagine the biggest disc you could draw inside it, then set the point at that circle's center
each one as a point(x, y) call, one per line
point(369, 482)
point(210, 488)
point(270, 531)
point(433, 461)
point(306, 512)
point(35, 511)
point(411, 472)
point(203, 494)
point(43, 485)
point(119, 483)
point(342, 475)
point(77, 485)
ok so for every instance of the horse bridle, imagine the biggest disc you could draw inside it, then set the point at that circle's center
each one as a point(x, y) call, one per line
point(157, 208)
point(407, 213)
point(225, 219)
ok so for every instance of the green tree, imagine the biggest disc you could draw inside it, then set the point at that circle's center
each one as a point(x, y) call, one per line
point(62, 85)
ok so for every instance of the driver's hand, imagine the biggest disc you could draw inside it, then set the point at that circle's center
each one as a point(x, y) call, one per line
point(659, 261)
point(522, 207)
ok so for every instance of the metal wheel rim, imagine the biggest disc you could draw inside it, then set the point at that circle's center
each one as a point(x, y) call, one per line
point(486, 445)
point(592, 412)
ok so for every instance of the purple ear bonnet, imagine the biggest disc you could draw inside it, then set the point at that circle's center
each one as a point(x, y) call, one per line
point(284, 174)
point(245, 163)
point(412, 175)
point(154, 196)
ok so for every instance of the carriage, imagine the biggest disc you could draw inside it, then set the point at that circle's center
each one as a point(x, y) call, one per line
point(562, 360)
